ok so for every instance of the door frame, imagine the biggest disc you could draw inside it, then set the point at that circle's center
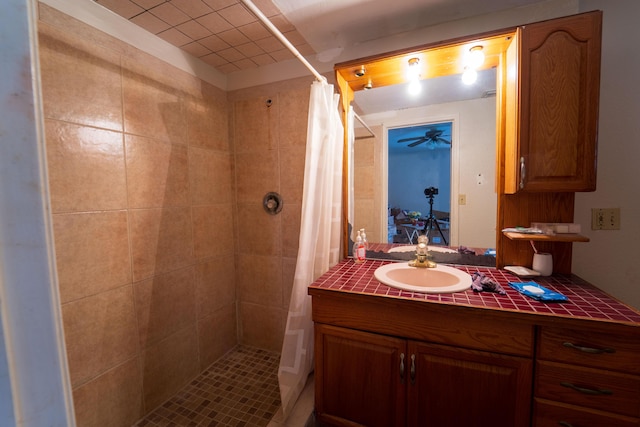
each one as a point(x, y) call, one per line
point(454, 176)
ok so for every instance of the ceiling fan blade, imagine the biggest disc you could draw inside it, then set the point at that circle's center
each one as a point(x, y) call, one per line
point(444, 141)
point(410, 139)
point(413, 144)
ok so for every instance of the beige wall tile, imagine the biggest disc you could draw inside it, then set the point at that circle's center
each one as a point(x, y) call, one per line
point(153, 109)
point(80, 81)
point(213, 230)
point(207, 119)
point(260, 279)
point(257, 173)
point(256, 124)
point(169, 365)
point(292, 173)
point(112, 399)
point(86, 168)
point(294, 113)
point(165, 304)
point(210, 176)
point(218, 334)
point(290, 229)
point(100, 332)
point(157, 173)
point(363, 180)
point(262, 326)
point(258, 232)
point(215, 284)
point(92, 253)
point(161, 240)
point(288, 275)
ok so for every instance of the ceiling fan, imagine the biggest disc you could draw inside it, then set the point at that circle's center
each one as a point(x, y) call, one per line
point(432, 136)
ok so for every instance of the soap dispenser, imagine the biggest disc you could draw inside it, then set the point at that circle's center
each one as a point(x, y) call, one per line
point(359, 251)
point(365, 242)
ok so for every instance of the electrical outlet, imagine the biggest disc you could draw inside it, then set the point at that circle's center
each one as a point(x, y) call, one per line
point(605, 219)
point(462, 199)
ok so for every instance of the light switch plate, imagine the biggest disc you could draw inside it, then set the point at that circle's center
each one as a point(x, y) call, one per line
point(605, 219)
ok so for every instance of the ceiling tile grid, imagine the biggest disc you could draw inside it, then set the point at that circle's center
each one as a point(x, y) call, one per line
point(222, 33)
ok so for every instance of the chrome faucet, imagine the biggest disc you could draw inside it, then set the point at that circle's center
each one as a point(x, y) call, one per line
point(422, 254)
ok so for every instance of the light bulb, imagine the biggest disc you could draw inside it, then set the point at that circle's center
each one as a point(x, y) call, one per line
point(476, 57)
point(414, 87)
point(469, 76)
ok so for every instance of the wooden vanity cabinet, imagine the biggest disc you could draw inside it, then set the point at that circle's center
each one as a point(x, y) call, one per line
point(587, 377)
point(404, 364)
point(460, 387)
point(551, 105)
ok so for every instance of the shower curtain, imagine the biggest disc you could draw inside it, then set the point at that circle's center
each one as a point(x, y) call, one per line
point(319, 242)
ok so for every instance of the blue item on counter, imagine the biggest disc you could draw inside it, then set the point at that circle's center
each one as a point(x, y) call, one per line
point(490, 252)
point(537, 292)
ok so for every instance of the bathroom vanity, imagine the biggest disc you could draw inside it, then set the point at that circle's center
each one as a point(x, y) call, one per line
point(387, 357)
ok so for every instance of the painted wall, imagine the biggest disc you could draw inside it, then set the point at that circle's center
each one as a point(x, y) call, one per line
point(610, 259)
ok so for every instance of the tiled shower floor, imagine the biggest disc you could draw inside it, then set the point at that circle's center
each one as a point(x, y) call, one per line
point(239, 390)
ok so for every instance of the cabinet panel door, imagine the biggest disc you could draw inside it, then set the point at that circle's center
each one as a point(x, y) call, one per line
point(560, 84)
point(554, 414)
point(358, 378)
point(456, 387)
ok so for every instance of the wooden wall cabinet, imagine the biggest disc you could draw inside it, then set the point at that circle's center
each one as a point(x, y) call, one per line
point(552, 105)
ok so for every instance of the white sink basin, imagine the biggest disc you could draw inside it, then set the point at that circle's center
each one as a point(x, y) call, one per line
point(439, 280)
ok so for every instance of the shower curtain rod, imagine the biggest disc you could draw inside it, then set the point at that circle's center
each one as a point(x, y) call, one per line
point(293, 50)
point(363, 124)
point(283, 39)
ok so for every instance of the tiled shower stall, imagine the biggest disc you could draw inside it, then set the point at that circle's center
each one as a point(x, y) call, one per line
point(166, 259)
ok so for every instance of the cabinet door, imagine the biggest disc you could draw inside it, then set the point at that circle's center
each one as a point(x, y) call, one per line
point(456, 387)
point(559, 80)
point(359, 378)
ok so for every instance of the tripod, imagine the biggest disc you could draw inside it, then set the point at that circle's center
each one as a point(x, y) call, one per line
point(431, 221)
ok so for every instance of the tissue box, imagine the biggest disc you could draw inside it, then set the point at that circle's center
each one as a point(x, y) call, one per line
point(557, 227)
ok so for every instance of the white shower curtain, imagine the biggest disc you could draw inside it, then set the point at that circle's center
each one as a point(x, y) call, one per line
point(319, 244)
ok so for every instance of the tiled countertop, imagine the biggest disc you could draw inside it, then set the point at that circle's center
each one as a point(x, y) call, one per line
point(585, 300)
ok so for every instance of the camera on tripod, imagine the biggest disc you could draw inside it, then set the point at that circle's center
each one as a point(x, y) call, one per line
point(430, 192)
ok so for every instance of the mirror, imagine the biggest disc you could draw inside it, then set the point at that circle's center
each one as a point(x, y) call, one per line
point(471, 220)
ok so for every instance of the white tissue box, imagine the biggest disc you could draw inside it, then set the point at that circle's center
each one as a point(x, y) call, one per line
point(557, 227)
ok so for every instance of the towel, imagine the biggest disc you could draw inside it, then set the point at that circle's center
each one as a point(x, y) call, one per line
point(466, 251)
point(481, 283)
point(537, 292)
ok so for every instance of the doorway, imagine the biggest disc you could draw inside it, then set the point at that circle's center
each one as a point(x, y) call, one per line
point(419, 181)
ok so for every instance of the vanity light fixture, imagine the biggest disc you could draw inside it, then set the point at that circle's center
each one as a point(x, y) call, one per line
point(360, 72)
point(414, 76)
point(469, 76)
point(368, 86)
point(476, 57)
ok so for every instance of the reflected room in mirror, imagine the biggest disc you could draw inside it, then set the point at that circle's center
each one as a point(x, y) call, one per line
point(443, 138)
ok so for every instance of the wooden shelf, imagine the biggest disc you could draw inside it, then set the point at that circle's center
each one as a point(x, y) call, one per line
point(565, 237)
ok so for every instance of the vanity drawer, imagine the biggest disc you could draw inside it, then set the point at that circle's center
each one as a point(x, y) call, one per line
point(614, 351)
point(592, 388)
point(553, 414)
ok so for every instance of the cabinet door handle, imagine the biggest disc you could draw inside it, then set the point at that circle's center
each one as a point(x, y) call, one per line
point(564, 424)
point(590, 391)
point(590, 350)
point(412, 372)
point(402, 368)
point(523, 171)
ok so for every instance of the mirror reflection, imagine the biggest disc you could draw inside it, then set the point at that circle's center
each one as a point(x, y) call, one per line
point(392, 179)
